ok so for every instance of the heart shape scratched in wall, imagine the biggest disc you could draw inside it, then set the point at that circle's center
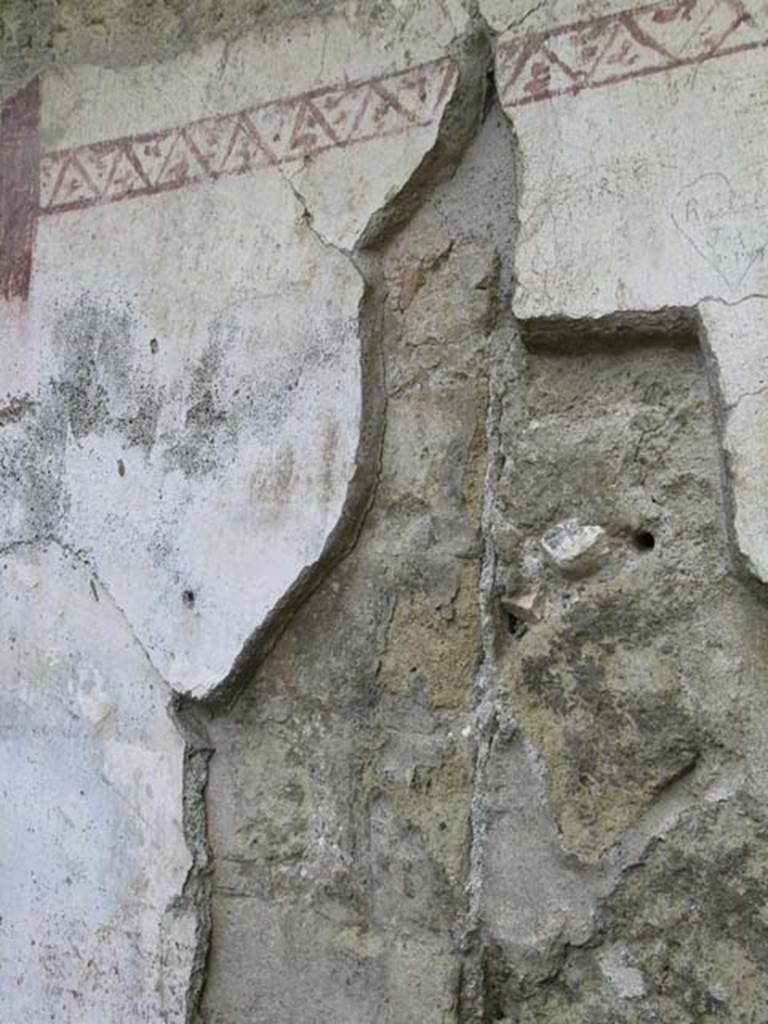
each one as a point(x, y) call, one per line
point(726, 228)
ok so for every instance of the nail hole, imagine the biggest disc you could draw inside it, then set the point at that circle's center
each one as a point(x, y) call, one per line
point(644, 540)
point(188, 597)
point(154, 345)
point(120, 467)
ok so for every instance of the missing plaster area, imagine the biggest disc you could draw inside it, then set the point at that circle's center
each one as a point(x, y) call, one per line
point(670, 327)
point(572, 362)
point(613, 553)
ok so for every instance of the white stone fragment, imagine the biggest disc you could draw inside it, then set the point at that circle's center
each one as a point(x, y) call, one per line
point(525, 605)
point(575, 547)
point(615, 963)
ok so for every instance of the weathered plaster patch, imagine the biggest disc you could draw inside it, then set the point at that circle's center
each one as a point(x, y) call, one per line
point(213, 408)
point(690, 918)
point(435, 647)
point(93, 769)
point(436, 802)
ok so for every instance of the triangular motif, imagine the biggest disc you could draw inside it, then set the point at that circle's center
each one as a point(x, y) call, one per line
point(246, 150)
point(382, 114)
point(511, 61)
point(311, 132)
point(629, 51)
point(423, 89)
point(182, 165)
point(152, 151)
point(342, 109)
point(72, 185)
point(543, 75)
point(695, 30)
point(99, 161)
point(577, 53)
point(51, 167)
point(125, 177)
point(213, 140)
point(717, 27)
point(273, 122)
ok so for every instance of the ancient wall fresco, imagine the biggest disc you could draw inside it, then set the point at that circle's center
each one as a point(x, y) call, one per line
point(383, 535)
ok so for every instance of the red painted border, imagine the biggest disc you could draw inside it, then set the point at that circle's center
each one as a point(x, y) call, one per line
point(19, 189)
point(278, 132)
point(615, 48)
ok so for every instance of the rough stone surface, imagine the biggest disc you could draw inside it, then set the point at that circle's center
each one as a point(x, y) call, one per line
point(366, 744)
point(690, 928)
point(383, 489)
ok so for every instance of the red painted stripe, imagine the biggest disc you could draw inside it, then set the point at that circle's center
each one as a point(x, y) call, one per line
point(306, 128)
point(19, 189)
point(523, 63)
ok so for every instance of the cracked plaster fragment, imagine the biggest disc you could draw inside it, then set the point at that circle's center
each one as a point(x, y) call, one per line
point(215, 420)
point(192, 416)
point(634, 232)
point(93, 800)
point(367, 926)
point(736, 341)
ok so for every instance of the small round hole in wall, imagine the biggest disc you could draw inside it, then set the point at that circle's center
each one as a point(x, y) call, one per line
point(188, 597)
point(644, 540)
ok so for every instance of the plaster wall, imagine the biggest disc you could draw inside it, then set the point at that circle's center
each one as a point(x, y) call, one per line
point(383, 537)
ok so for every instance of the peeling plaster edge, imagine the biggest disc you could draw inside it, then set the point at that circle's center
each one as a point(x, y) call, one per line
point(745, 568)
point(193, 895)
point(457, 128)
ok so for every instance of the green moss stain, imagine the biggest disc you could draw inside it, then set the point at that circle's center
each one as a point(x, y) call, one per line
point(439, 647)
point(610, 726)
point(437, 803)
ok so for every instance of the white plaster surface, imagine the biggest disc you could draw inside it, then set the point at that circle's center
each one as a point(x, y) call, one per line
point(211, 332)
point(737, 339)
point(92, 853)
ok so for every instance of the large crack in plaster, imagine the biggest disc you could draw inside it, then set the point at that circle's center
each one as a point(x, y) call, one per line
point(457, 128)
